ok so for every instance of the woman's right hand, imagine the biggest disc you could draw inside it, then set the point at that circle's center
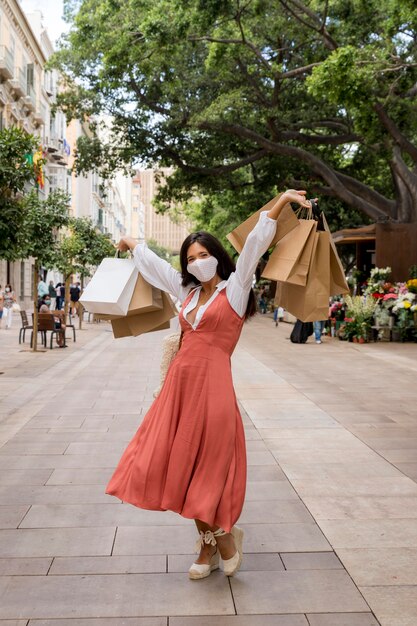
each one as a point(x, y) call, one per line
point(126, 243)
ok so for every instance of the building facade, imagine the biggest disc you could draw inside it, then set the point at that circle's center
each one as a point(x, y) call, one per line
point(164, 228)
point(27, 93)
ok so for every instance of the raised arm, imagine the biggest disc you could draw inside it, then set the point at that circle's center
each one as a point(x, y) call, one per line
point(155, 270)
point(256, 244)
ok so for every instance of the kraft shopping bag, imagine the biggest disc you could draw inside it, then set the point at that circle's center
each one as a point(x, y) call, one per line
point(310, 303)
point(290, 259)
point(111, 288)
point(286, 221)
point(338, 284)
point(145, 299)
point(134, 325)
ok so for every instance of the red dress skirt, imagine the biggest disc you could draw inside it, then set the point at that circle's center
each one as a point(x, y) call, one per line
point(189, 454)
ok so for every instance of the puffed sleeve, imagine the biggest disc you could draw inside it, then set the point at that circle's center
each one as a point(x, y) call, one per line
point(159, 272)
point(257, 243)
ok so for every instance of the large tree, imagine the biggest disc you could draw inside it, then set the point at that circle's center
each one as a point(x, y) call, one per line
point(245, 97)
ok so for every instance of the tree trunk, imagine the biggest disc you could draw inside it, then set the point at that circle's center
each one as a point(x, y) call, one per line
point(35, 306)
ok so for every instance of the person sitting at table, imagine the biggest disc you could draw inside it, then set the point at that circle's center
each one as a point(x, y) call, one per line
point(43, 307)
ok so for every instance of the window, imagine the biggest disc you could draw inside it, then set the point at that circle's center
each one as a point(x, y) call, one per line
point(22, 280)
point(30, 77)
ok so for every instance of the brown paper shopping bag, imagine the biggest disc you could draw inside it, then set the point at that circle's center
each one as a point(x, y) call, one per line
point(134, 325)
point(338, 284)
point(145, 299)
point(310, 303)
point(286, 221)
point(290, 259)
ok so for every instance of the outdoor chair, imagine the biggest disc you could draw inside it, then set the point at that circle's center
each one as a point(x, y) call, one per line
point(25, 326)
point(71, 325)
point(46, 322)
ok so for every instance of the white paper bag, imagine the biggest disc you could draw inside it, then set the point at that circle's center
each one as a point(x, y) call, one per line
point(111, 288)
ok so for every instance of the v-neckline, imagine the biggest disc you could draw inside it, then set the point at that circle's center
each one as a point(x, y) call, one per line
point(213, 296)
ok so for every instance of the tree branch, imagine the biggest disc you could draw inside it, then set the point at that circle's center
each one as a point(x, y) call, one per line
point(330, 140)
point(298, 70)
point(319, 28)
point(395, 132)
point(218, 170)
point(317, 165)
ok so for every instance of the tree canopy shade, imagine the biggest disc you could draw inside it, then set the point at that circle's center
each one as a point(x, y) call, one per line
point(245, 97)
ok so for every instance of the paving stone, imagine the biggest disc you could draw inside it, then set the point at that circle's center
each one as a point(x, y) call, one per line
point(272, 490)
point(251, 562)
point(24, 567)
point(370, 533)
point(115, 596)
point(387, 486)
point(363, 507)
point(302, 591)
point(59, 461)
point(82, 515)
point(260, 458)
point(266, 473)
point(24, 477)
point(240, 620)
point(310, 560)
point(118, 621)
point(381, 566)
point(80, 477)
point(274, 511)
point(11, 516)
point(109, 565)
point(342, 619)
point(326, 471)
point(56, 542)
point(393, 606)
point(56, 494)
point(33, 448)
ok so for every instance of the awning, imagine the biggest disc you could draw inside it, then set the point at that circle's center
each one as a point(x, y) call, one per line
point(355, 235)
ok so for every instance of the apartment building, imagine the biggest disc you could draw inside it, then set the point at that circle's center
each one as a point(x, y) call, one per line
point(27, 93)
point(166, 230)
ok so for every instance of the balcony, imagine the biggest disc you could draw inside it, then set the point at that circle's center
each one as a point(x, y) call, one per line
point(6, 62)
point(18, 82)
point(40, 114)
point(30, 99)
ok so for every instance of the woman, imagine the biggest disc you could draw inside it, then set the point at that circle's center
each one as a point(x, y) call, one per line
point(9, 299)
point(189, 455)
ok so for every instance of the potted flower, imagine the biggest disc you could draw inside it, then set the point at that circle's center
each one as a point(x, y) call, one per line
point(360, 311)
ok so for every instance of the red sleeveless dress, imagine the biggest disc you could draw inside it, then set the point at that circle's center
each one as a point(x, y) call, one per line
point(189, 454)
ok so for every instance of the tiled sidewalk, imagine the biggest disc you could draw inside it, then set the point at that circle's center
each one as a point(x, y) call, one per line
point(72, 556)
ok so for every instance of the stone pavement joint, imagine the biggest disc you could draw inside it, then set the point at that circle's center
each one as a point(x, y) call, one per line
point(331, 507)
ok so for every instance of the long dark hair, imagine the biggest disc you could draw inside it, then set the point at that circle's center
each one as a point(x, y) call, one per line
point(225, 267)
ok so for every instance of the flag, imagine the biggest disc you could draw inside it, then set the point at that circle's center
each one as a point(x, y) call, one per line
point(38, 164)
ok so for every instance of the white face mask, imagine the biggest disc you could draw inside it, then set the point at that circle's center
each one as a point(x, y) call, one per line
point(203, 269)
point(7, 289)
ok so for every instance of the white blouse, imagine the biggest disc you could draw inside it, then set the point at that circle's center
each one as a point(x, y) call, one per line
point(162, 275)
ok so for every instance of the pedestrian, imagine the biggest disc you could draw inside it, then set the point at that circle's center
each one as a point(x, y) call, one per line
point(188, 455)
point(75, 293)
point(318, 330)
point(262, 301)
point(60, 295)
point(278, 314)
point(52, 294)
point(9, 300)
point(42, 288)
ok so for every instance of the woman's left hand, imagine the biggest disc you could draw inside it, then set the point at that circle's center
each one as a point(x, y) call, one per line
point(298, 196)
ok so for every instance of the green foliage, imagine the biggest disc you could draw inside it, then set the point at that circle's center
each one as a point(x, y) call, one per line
point(16, 172)
point(245, 99)
point(82, 248)
point(39, 234)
